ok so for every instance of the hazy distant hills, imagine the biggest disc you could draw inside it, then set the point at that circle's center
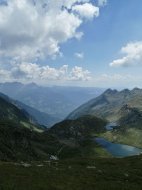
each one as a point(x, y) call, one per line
point(37, 116)
point(109, 104)
point(56, 101)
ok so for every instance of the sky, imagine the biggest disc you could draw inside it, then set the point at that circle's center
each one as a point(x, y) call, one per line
point(94, 43)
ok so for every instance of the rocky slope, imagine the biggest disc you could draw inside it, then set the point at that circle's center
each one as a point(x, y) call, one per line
point(109, 104)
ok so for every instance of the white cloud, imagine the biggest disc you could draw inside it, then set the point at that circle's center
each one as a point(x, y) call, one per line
point(79, 55)
point(86, 10)
point(35, 30)
point(132, 55)
point(26, 71)
point(78, 74)
point(102, 3)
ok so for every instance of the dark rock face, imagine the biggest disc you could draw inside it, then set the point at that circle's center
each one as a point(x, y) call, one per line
point(130, 116)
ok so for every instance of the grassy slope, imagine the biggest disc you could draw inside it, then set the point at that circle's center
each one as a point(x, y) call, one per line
point(80, 128)
point(129, 136)
point(20, 143)
point(90, 174)
point(76, 135)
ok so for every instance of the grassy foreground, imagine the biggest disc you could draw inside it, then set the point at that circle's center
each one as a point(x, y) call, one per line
point(85, 174)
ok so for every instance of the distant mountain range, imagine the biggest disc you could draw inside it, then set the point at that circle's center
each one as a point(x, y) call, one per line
point(56, 101)
point(109, 104)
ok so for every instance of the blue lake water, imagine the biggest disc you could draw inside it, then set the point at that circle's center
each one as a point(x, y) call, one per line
point(118, 150)
point(111, 126)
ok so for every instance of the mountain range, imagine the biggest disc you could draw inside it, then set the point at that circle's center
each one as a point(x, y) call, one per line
point(23, 138)
point(109, 104)
point(56, 101)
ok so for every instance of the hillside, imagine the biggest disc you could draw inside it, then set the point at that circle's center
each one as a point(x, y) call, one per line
point(80, 128)
point(11, 112)
point(130, 116)
point(77, 136)
point(130, 128)
point(109, 104)
point(21, 138)
point(23, 144)
point(38, 116)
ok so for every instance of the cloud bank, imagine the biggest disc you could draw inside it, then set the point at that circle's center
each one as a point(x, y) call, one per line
point(33, 72)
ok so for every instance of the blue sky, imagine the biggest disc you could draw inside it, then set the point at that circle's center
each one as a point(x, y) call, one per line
point(88, 45)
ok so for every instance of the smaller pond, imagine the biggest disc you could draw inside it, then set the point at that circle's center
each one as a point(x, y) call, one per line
point(118, 150)
point(111, 126)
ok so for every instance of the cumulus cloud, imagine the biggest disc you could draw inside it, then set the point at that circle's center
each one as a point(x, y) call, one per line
point(86, 10)
point(78, 73)
point(33, 29)
point(102, 3)
point(79, 55)
point(132, 55)
point(33, 72)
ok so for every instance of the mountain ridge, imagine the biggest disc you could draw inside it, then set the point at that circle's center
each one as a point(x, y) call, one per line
point(108, 104)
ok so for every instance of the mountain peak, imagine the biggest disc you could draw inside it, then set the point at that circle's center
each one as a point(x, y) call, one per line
point(136, 89)
point(110, 91)
point(125, 91)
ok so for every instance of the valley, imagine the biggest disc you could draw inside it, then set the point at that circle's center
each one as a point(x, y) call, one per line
point(82, 151)
point(54, 102)
point(70, 94)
